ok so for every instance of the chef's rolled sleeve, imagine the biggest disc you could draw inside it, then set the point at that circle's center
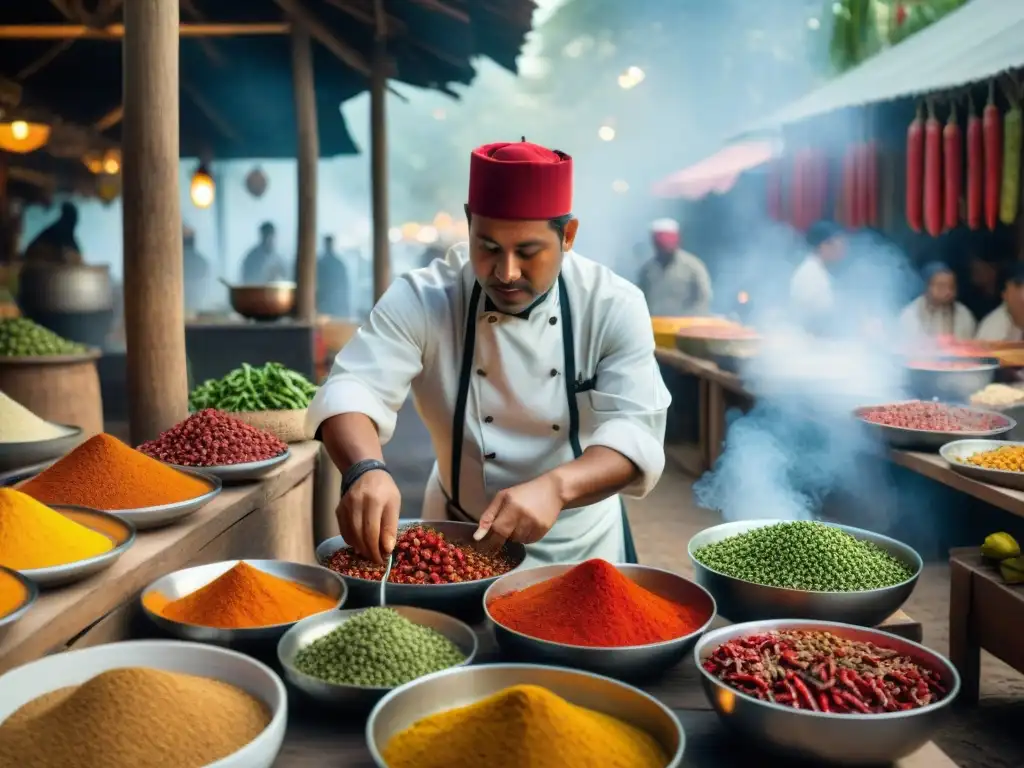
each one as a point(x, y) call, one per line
point(630, 400)
point(373, 372)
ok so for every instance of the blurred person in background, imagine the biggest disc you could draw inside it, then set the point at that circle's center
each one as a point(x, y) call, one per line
point(57, 244)
point(263, 264)
point(197, 273)
point(936, 312)
point(676, 283)
point(332, 286)
point(981, 286)
point(1006, 322)
point(811, 293)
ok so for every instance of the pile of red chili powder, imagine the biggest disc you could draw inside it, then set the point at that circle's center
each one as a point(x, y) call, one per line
point(211, 438)
point(595, 605)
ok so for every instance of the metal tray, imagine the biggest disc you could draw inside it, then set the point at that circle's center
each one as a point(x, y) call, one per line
point(957, 450)
point(239, 473)
point(925, 439)
point(165, 514)
point(17, 455)
point(119, 531)
point(31, 594)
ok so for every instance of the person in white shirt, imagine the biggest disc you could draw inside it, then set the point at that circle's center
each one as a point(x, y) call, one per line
point(1006, 322)
point(675, 283)
point(532, 367)
point(812, 297)
point(936, 312)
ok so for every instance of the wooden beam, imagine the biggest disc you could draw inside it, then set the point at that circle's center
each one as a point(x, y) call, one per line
point(153, 269)
point(109, 120)
point(308, 155)
point(379, 155)
point(45, 59)
point(188, 7)
point(439, 7)
point(394, 26)
point(300, 13)
point(212, 114)
point(116, 31)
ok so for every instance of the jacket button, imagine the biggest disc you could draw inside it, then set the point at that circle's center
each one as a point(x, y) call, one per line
point(488, 419)
point(490, 456)
point(555, 427)
point(492, 319)
point(553, 321)
point(481, 372)
point(554, 372)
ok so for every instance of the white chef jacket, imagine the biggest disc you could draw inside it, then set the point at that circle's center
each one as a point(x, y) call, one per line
point(517, 411)
point(920, 320)
point(810, 289)
point(680, 288)
point(997, 325)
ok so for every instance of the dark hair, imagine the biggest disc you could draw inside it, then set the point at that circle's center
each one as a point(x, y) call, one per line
point(1012, 273)
point(821, 232)
point(266, 228)
point(558, 223)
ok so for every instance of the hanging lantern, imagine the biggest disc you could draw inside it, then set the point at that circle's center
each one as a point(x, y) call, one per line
point(22, 137)
point(112, 162)
point(203, 189)
point(108, 188)
point(256, 182)
point(94, 162)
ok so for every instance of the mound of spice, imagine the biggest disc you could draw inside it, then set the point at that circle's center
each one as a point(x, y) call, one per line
point(1008, 458)
point(424, 556)
point(19, 425)
point(594, 605)
point(213, 439)
point(12, 594)
point(822, 672)
point(243, 598)
point(132, 717)
point(378, 648)
point(34, 536)
point(104, 473)
point(20, 337)
point(932, 417)
point(524, 725)
point(808, 556)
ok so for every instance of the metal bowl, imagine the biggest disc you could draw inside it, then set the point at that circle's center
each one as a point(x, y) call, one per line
point(17, 455)
point(822, 737)
point(61, 670)
point(270, 301)
point(462, 686)
point(360, 696)
point(956, 452)
point(926, 439)
point(629, 662)
point(145, 518)
point(31, 593)
point(952, 384)
point(463, 598)
point(120, 532)
point(176, 585)
point(740, 600)
point(239, 473)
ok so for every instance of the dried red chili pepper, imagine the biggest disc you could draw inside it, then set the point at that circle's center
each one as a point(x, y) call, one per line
point(975, 169)
point(933, 173)
point(952, 160)
point(915, 172)
point(992, 130)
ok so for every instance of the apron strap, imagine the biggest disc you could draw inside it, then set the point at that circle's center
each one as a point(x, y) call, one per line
point(569, 353)
point(459, 420)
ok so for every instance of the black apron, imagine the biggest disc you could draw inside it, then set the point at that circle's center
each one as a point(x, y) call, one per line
point(572, 388)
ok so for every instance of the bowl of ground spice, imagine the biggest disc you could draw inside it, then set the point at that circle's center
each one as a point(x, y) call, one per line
point(105, 474)
point(159, 704)
point(777, 569)
point(26, 439)
point(513, 715)
point(16, 596)
point(353, 658)
point(240, 600)
point(826, 693)
point(59, 545)
point(624, 621)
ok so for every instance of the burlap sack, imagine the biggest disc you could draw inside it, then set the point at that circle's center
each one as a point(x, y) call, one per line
point(285, 425)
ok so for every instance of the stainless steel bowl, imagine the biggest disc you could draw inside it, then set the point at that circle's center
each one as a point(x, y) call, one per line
point(952, 384)
point(31, 594)
point(740, 600)
point(239, 473)
point(17, 455)
point(176, 585)
point(925, 439)
point(821, 737)
point(462, 686)
point(630, 662)
point(120, 532)
point(145, 518)
point(463, 598)
point(360, 696)
point(263, 302)
point(956, 453)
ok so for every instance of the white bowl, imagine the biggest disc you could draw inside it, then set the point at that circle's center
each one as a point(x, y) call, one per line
point(28, 682)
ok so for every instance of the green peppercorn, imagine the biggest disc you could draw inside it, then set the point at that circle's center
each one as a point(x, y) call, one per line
point(377, 648)
point(808, 556)
point(20, 337)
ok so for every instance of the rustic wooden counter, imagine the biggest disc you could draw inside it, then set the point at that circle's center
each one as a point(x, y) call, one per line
point(269, 519)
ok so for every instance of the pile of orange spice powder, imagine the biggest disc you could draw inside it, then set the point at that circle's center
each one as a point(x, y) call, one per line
point(595, 605)
point(104, 473)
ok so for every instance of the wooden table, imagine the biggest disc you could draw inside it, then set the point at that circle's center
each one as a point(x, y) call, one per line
point(933, 466)
point(269, 519)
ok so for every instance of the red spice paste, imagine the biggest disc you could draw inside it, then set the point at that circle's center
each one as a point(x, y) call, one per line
point(594, 605)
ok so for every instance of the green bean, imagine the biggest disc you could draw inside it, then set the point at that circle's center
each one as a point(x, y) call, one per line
point(266, 387)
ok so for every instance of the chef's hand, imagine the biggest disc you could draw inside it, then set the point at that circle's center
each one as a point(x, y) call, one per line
point(368, 515)
point(523, 513)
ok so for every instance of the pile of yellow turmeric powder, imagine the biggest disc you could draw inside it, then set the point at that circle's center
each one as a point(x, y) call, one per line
point(522, 725)
point(34, 536)
point(1009, 458)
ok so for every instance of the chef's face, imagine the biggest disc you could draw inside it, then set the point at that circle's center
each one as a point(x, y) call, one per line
point(942, 289)
point(517, 261)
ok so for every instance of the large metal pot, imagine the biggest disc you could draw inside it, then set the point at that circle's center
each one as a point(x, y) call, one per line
point(75, 301)
point(270, 301)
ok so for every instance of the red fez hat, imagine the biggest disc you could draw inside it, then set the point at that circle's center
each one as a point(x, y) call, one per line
point(519, 181)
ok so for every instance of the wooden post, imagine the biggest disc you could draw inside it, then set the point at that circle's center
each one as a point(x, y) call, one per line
point(308, 156)
point(153, 270)
point(379, 157)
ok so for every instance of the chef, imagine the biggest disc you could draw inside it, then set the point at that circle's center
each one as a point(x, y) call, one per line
point(1006, 322)
point(812, 298)
point(936, 313)
point(675, 282)
point(532, 367)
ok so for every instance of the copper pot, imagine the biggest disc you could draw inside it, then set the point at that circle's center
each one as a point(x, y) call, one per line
point(270, 301)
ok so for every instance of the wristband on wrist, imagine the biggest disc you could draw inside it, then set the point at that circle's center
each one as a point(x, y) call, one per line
point(359, 469)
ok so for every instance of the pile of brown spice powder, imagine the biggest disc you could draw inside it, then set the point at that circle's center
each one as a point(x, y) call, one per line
point(133, 718)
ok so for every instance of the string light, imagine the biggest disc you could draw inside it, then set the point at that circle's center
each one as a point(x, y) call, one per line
point(202, 190)
point(813, 24)
point(606, 133)
point(427, 235)
point(23, 137)
point(620, 186)
point(631, 78)
point(395, 234)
